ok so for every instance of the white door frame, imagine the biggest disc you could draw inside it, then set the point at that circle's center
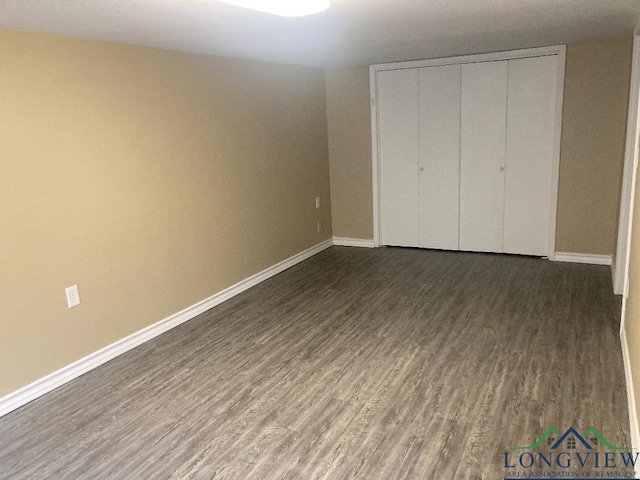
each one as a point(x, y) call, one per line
point(620, 269)
point(620, 266)
point(559, 50)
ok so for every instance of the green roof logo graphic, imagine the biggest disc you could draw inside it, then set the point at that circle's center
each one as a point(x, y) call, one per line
point(552, 433)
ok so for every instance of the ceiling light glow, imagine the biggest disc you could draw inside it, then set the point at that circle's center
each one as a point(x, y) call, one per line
point(284, 8)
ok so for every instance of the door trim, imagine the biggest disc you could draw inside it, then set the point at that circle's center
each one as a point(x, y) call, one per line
point(555, 161)
point(559, 50)
point(620, 265)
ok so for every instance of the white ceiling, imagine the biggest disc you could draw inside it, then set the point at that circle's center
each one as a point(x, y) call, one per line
point(350, 32)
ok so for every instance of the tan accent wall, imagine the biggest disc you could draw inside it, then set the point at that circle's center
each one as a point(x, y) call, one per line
point(596, 99)
point(152, 179)
point(349, 125)
point(632, 314)
point(594, 129)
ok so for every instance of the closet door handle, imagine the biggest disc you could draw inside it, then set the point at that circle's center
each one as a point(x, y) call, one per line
point(501, 169)
point(422, 169)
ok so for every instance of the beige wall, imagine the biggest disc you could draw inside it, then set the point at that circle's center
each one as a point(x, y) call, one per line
point(632, 311)
point(594, 128)
point(152, 179)
point(349, 125)
point(596, 99)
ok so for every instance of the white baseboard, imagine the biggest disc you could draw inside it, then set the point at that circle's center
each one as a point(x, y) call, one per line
point(582, 258)
point(353, 242)
point(631, 399)
point(56, 379)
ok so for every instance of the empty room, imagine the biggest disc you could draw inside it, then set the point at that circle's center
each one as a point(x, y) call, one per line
point(319, 239)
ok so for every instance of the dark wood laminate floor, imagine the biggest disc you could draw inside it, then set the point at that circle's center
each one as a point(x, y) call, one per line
point(358, 363)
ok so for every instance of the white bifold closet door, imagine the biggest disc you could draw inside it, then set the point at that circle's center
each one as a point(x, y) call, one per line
point(507, 138)
point(398, 151)
point(466, 155)
point(419, 149)
point(483, 133)
point(439, 156)
point(530, 140)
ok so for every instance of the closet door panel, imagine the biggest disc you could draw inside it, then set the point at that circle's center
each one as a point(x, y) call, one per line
point(398, 153)
point(482, 155)
point(439, 94)
point(530, 135)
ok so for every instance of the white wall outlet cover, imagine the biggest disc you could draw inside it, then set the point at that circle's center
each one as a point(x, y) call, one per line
point(73, 296)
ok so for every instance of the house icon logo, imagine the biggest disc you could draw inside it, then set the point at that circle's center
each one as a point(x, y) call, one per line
point(571, 439)
point(557, 454)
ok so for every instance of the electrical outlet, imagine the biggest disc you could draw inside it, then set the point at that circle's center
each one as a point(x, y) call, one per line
point(319, 226)
point(317, 202)
point(73, 296)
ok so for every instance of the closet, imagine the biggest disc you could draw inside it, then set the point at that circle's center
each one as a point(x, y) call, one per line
point(466, 154)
